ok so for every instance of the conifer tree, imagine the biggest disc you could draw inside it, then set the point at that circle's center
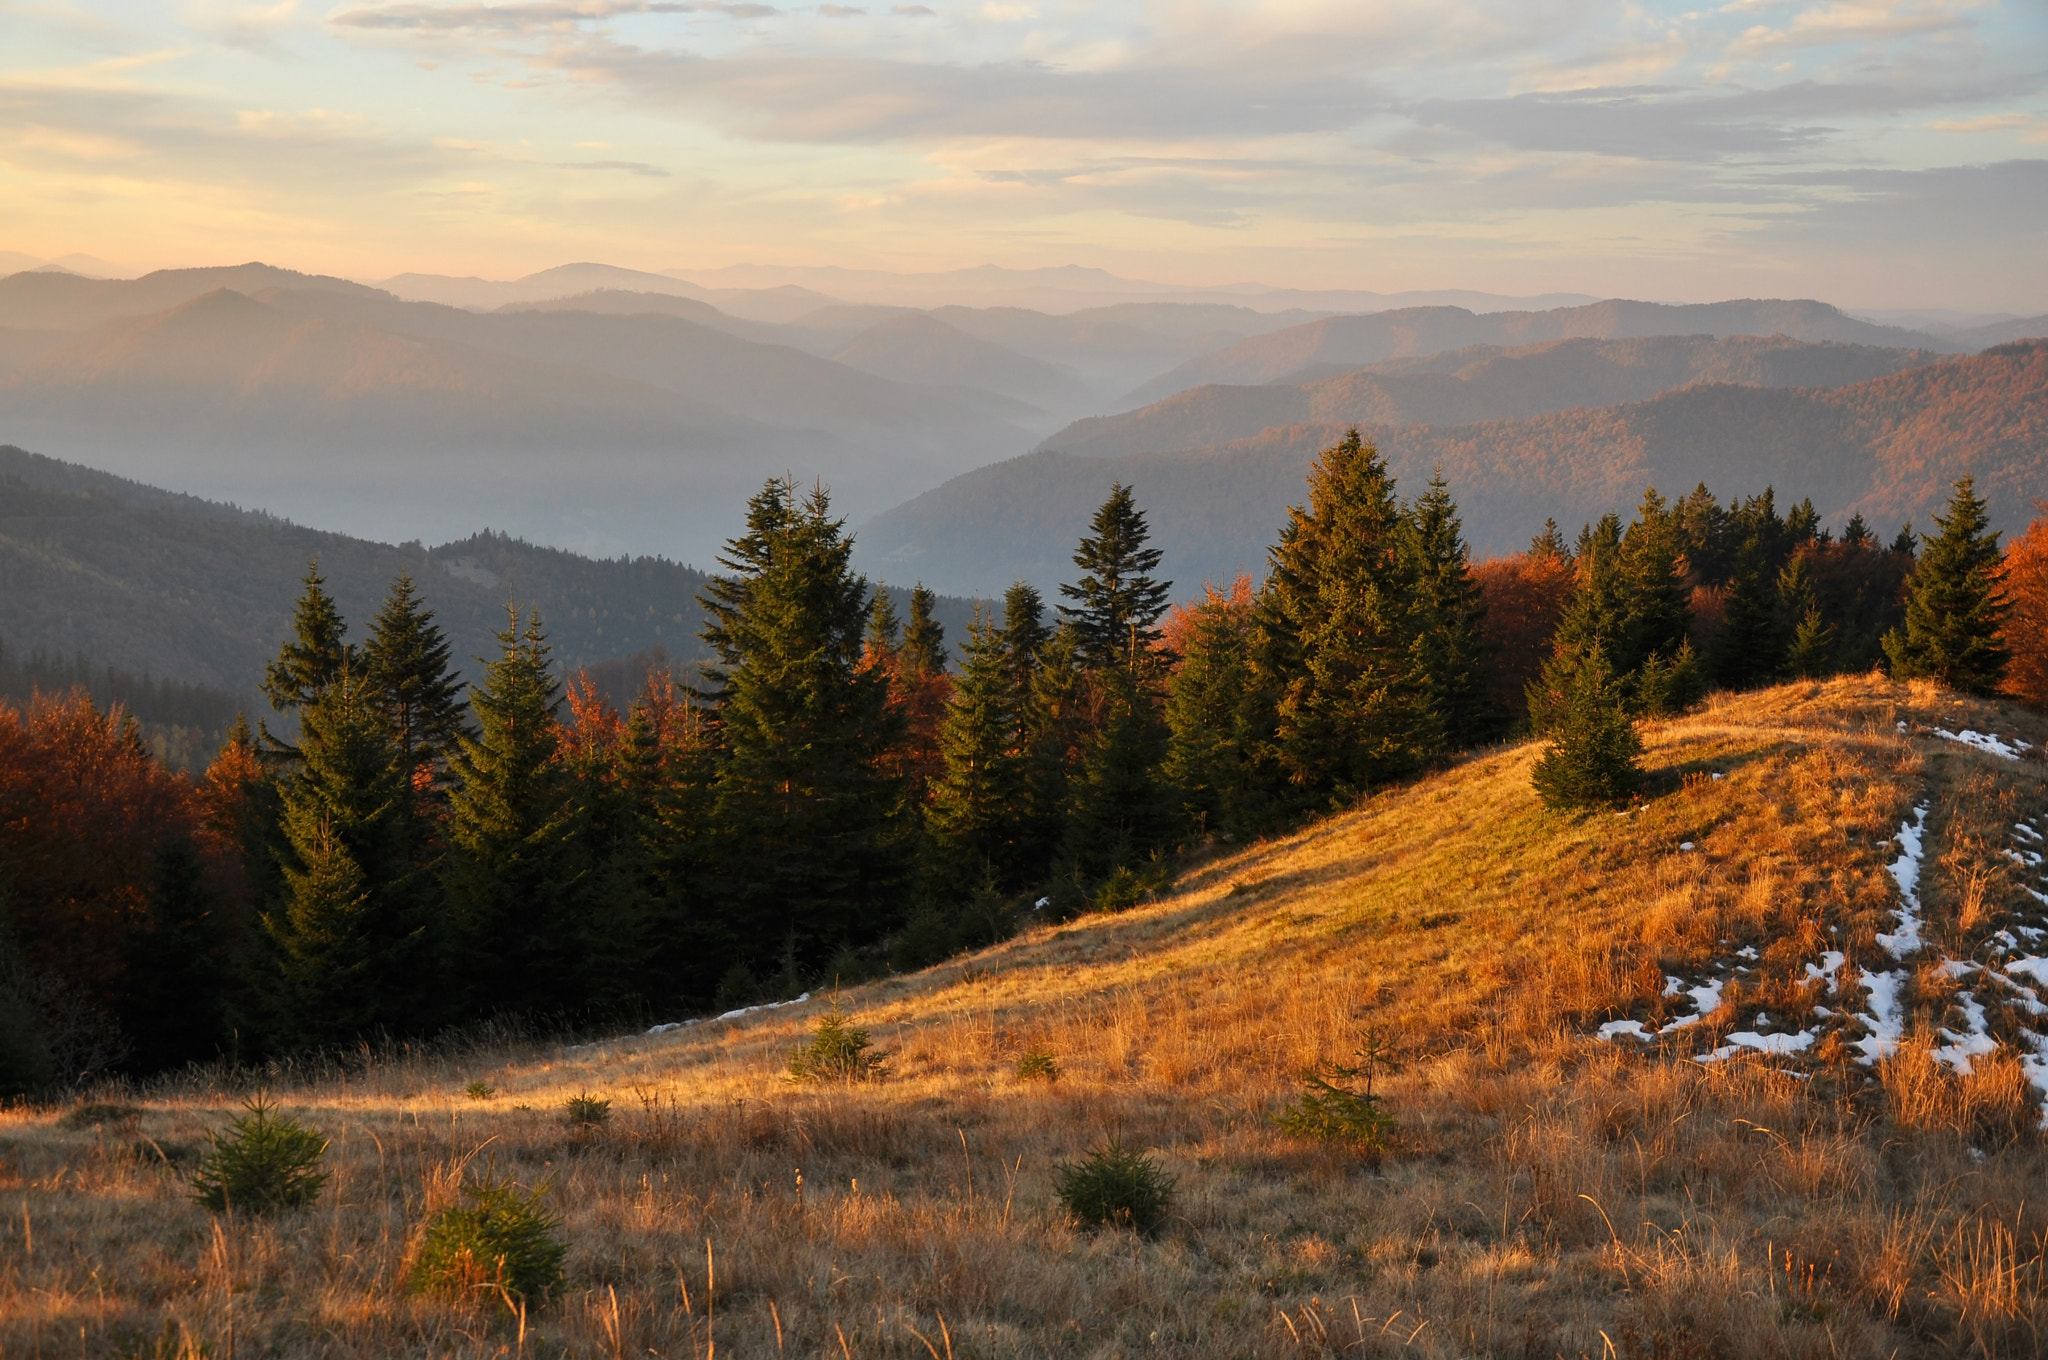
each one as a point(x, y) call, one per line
point(1594, 751)
point(175, 1006)
point(1058, 714)
point(1449, 613)
point(516, 865)
point(1117, 600)
point(1750, 647)
point(315, 654)
point(1857, 533)
point(1810, 650)
point(974, 809)
point(1658, 607)
point(1023, 630)
point(1956, 606)
point(1220, 713)
point(1550, 543)
point(1594, 617)
point(405, 659)
point(884, 631)
point(815, 827)
point(1124, 808)
point(924, 637)
point(347, 936)
point(1907, 544)
point(1337, 634)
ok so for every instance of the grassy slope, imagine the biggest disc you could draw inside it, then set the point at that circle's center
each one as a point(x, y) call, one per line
point(1551, 1193)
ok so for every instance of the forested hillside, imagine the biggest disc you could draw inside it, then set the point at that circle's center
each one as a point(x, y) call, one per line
point(1887, 448)
point(147, 580)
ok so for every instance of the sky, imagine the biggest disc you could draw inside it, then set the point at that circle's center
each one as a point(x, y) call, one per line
point(1876, 153)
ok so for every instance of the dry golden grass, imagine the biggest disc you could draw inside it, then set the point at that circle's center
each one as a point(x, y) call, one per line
point(1548, 1193)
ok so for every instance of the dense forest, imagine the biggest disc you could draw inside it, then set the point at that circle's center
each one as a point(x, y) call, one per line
point(386, 853)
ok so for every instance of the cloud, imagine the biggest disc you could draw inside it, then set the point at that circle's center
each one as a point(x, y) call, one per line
point(537, 16)
point(1856, 21)
point(841, 11)
point(920, 10)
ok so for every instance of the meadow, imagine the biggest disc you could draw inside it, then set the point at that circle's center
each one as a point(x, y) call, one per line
point(1548, 1191)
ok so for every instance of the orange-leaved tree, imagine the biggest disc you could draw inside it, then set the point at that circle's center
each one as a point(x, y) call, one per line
point(2026, 625)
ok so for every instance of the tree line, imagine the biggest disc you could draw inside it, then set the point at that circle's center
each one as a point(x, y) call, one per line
point(832, 794)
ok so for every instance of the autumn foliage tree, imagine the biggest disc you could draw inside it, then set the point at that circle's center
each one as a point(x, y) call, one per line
point(2025, 577)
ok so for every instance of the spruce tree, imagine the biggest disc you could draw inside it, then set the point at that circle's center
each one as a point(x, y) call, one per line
point(1810, 647)
point(1956, 606)
point(515, 869)
point(1658, 605)
point(1857, 533)
point(175, 1004)
point(1220, 713)
point(315, 654)
point(924, 637)
point(1907, 544)
point(1750, 647)
point(1449, 612)
point(347, 936)
point(405, 659)
point(1124, 807)
point(974, 808)
point(1117, 600)
point(1595, 617)
point(815, 829)
point(1059, 714)
point(1337, 635)
point(1594, 752)
point(884, 630)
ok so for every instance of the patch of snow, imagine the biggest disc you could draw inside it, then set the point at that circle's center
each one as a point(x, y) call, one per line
point(1747, 951)
point(729, 1015)
point(1706, 999)
point(1673, 985)
point(1905, 871)
point(1984, 741)
point(2027, 831)
point(1887, 1018)
point(1958, 968)
point(1633, 1028)
point(1685, 845)
point(1717, 774)
point(1761, 1043)
point(1829, 967)
point(2032, 966)
point(1042, 903)
point(1961, 1048)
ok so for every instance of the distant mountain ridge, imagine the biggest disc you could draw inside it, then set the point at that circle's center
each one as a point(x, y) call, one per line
point(1889, 447)
point(1485, 382)
point(1356, 341)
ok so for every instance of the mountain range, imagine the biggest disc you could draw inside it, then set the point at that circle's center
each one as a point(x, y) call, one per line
point(142, 579)
point(1888, 447)
point(612, 411)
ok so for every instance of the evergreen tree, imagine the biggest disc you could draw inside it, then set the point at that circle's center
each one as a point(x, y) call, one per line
point(1657, 605)
point(1449, 611)
point(516, 862)
point(175, 1006)
point(1023, 632)
point(316, 653)
point(1907, 544)
point(1956, 607)
point(1550, 543)
point(816, 830)
point(405, 659)
point(1336, 633)
point(1124, 807)
point(884, 631)
point(1810, 650)
point(1594, 751)
point(1750, 647)
point(924, 637)
point(1856, 533)
point(1594, 618)
point(974, 809)
point(1118, 602)
point(1220, 713)
point(347, 936)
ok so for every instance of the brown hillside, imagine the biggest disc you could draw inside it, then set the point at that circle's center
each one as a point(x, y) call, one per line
point(1745, 1184)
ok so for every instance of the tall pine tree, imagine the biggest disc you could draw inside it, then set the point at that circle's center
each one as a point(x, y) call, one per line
point(516, 867)
point(816, 829)
point(973, 818)
point(405, 658)
point(1118, 603)
point(1220, 711)
point(348, 936)
point(1449, 614)
point(1337, 634)
point(1956, 607)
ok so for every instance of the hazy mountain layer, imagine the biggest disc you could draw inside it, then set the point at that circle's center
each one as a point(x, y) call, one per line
point(145, 579)
point(1889, 447)
point(1355, 341)
point(1481, 383)
point(409, 420)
